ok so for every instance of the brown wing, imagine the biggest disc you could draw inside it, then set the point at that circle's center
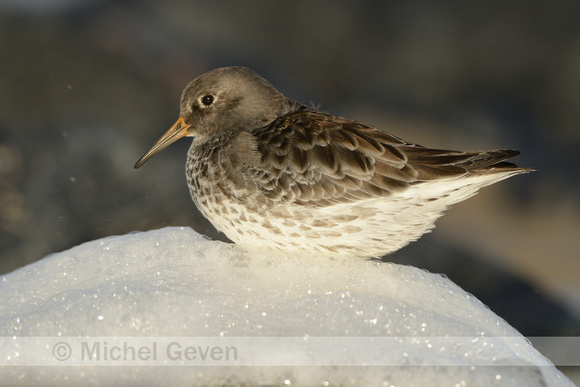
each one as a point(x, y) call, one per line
point(318, 159)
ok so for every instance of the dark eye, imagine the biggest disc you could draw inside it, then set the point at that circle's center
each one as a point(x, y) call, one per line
point(207, 100)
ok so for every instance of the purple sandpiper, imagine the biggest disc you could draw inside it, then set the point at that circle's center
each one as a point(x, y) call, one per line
point(271, 172)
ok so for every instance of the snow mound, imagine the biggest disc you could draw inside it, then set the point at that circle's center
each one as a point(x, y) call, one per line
point(174, 283)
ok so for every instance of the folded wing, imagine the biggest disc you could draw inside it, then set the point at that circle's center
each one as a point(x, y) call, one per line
point(312, 158)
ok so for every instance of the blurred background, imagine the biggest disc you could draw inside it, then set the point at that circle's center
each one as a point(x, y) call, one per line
point(87, 86)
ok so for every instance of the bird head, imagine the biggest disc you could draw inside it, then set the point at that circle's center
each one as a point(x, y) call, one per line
point(228, 99)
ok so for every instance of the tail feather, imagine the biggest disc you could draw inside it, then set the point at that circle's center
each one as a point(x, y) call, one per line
point(435, 164)
point(493, 158)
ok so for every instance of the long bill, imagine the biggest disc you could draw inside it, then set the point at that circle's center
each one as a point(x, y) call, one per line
point(177, 131)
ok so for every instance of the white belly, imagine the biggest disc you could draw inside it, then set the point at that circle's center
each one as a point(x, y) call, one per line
point(369, 228)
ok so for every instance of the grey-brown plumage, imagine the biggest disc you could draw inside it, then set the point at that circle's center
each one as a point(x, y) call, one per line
point(271, 172)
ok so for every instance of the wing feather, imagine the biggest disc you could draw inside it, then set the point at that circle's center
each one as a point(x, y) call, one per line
point(311, 158)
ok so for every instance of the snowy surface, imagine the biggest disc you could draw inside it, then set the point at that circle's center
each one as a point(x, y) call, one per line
point(174, 282)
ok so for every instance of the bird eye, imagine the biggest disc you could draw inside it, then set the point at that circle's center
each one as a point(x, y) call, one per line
point(207, 100)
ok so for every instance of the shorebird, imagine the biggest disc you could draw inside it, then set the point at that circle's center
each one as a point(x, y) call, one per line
point(271, 172)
